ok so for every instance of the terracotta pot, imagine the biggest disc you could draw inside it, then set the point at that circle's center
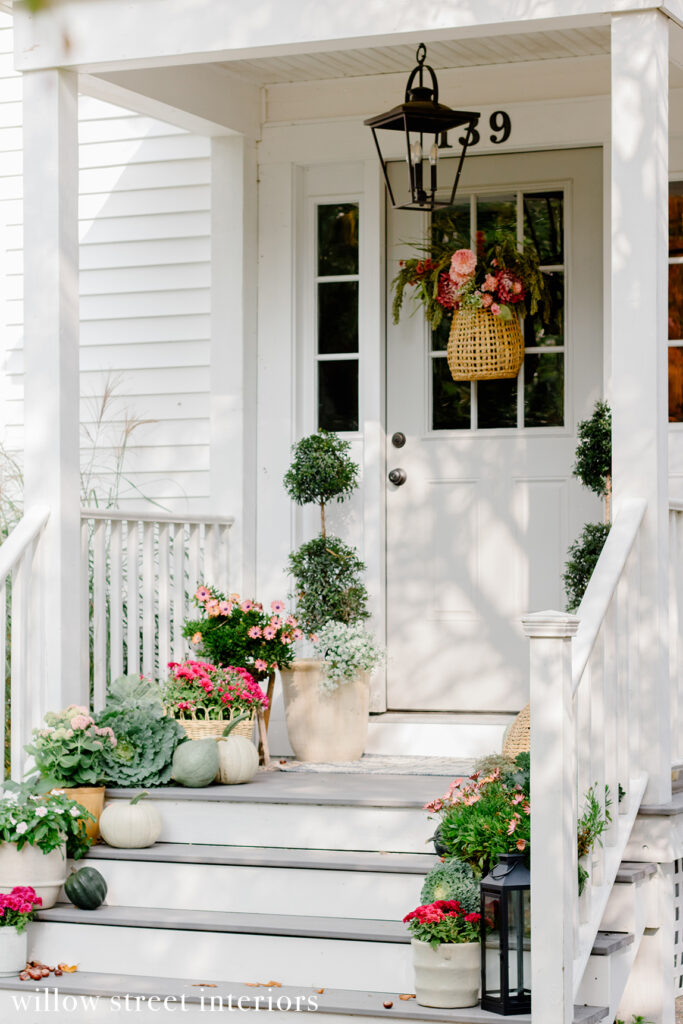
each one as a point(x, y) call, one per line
point(325, 726)
point(92, 798)
point(13, 951)
point(448, 976)
point(44, 872)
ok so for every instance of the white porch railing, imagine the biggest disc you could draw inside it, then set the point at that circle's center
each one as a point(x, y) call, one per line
point(585, 707)
point(676, 630)
point(22, 656)
point(138, 574)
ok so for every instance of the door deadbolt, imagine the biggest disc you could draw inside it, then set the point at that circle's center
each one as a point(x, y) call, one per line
point(398, 476)
point(398, 439)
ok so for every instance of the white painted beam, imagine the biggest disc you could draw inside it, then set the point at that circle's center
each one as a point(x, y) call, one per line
point(202, 99)
point(639, 204)
point(51, 380)
point(107, 34)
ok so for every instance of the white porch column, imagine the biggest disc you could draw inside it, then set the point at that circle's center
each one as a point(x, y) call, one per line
point(233, 348)
point(51, 381)
point(639, 204)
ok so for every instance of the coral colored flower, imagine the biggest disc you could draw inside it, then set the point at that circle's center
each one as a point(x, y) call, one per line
point(291, 621)
point(463, 265)
point(254, 632)
point(260, 665)
point(495, 309)
point(486, 300)
point(512, 824)
point(286, 638)
point(202, 594)
point(277, 606)
point(247, 605)
point(225, 608)
point(275, 622)
point(489, 284)
point(269, 633)
point(196, 637)
point(297, 634)
point(521, 845)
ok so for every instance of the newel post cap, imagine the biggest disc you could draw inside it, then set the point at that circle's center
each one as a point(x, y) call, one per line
point(558, 625)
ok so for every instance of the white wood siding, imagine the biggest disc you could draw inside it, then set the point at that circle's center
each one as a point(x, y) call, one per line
point(145, 292)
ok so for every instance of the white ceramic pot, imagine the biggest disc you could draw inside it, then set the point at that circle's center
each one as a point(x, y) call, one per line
point(44, 872)
point(325, 726)
point(448, 976)
point(13, 951)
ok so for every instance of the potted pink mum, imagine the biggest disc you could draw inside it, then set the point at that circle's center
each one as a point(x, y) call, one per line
point(17, 908)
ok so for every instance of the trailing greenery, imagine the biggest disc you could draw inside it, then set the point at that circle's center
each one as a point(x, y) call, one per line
point(321, 471)
point(593, 464)
point(327, 583)
point(452, 880)
point(582, 558)
point(424, 271)
point(590, 827)
point(146, 737)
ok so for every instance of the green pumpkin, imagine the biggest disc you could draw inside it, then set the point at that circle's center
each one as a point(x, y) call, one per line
point(86, 888)
point(195, 763)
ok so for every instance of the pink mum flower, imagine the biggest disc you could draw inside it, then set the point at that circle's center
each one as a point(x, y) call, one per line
point(291, 621)
point(463, 265)
point(255, 633)
point(247, 605)
point(202, 594)
point(225, 608)
point(80, 722)
point(486, 300)
point(277, 606)
point(260, 665)
point(495, 309)
point(489, 284)
point(297, 634)
point(269, 633)
point(196, 638)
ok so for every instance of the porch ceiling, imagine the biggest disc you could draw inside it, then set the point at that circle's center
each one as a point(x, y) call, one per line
point(352, 63)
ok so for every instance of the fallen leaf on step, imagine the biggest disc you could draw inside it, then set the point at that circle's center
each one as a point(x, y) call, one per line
point(68, 970)
point(272, 984)
point(405, 997)
point(203, 984)
point(253, 984)
point(319, 991)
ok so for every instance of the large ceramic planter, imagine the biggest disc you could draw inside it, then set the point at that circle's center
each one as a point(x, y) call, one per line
point(44, 872)
point(325, 726)
point(448, 976)
point(13, 951)
point(92, 798)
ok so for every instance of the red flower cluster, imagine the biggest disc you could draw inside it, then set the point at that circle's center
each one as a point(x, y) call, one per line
point(22, 900)
point(447, 295)
point(198, 685)
point(431, 913)
point(443, 921)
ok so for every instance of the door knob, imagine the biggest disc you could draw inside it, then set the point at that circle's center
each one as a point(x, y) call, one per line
point(398, 476)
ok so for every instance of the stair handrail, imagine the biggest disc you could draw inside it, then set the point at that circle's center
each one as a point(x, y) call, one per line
point(20, 537)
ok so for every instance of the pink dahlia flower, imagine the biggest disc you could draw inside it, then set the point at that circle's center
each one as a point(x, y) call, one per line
point(463, 265)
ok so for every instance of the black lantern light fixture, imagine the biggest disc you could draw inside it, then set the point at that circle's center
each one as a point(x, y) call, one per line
point(424, 122)
point(505, 937)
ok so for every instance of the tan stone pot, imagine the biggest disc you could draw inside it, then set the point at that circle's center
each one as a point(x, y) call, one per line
point(325, 726)
point(92, 798)
point(44, 872)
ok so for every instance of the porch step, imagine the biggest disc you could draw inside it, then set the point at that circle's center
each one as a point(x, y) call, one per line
point(337, 1005)
point(343, 812)
point(262, 881)
point(437, 734)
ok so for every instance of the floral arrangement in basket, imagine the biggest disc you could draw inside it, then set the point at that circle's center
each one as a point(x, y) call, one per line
point(71, 750)
point(448, 276)
point(240, 632)
point(18, 907)
point(200, 691)
point(444, 921)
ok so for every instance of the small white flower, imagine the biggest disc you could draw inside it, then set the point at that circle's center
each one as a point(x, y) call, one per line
point(75, 812)
point(22, 827)
point(41, 812)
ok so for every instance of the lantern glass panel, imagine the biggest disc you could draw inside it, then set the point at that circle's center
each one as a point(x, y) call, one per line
point(518, 921)
point(492, 948)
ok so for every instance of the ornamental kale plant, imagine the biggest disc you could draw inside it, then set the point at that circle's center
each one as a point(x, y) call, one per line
point(443, 921)
point(199, 690)
point(71, 751)
point(482, 817)
point(18, 907)
point(46, 820)
point(452, 880)
point(345, 651)
point(240, 632)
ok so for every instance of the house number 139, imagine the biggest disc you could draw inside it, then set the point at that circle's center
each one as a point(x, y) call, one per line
point(500, 125)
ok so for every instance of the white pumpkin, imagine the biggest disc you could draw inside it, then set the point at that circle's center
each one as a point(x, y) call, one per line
point(130, 826)
point(237, 756)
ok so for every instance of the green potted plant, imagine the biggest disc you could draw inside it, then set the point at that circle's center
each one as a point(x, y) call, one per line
point(70, 753)
point(37, 833)
point(327, 697)
point(446, 954)
point(17, 908)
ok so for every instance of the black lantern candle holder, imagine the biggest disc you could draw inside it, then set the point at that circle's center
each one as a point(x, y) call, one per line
point(506, 937)
point(424, 122)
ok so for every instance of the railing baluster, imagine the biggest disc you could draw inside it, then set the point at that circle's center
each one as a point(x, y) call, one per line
point(623, 698)
point(116, 599)
point(85, 606)
point(165, 609)
point(223, 574)
point(3, 664)
point(132, 599)
point(611, 729)
point(99, 614)
point(598, 753)
point(210, 573)
point(18, 669)
point(194, 565)
point(635, 759)
point(148, 600)
point(178, 590)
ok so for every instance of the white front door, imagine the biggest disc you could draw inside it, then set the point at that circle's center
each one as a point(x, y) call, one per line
point(478, 533)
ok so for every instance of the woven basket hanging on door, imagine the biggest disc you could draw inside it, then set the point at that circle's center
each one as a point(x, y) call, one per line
point(482, 346)
point(517, 739)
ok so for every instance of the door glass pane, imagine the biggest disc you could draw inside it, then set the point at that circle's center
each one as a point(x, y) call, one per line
point(540, 331)
point(544, 390)
point(496, 403)
point(543, 225)
point(675, 384)
point(452, 223)
point(676, 218)
point(676, 301)
point(450, 398)
point(440, 335)
point(337, 239)
point(496, 218)
point(338, 317)
point(338, 394)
